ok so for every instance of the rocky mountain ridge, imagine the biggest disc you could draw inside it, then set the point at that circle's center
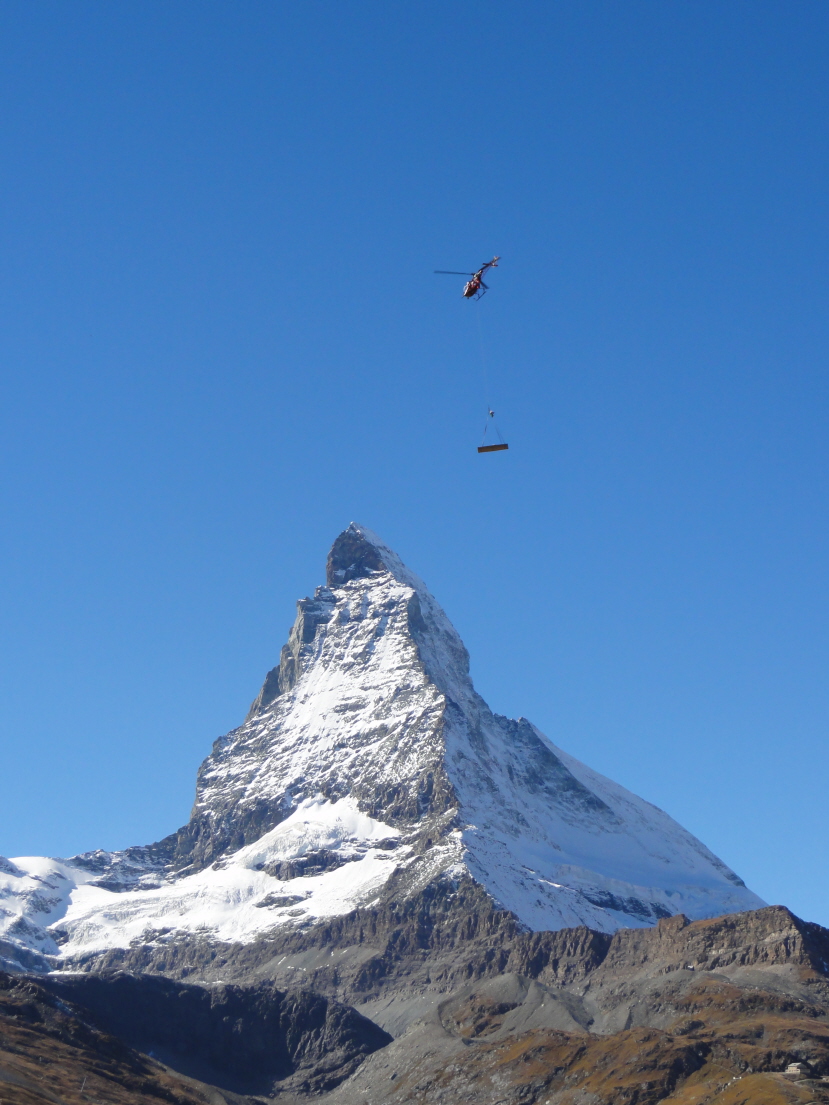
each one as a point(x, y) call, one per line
point(690, 1013)
point(709, 1012)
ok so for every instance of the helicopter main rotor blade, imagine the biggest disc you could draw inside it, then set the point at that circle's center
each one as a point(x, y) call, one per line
point(449, 272)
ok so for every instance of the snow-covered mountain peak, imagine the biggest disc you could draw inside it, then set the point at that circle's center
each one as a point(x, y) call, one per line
point(367, 769)
point(362, 575)
point(358, 553)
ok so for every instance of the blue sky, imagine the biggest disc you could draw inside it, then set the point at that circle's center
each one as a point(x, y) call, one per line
point(221, 340)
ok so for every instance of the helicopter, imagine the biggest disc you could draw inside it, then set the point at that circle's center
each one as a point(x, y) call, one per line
point(475, 287)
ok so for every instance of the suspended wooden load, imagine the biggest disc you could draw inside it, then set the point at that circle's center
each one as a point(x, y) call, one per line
point(493, 448)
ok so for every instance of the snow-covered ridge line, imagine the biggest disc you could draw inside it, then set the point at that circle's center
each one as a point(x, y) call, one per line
point(367, 768)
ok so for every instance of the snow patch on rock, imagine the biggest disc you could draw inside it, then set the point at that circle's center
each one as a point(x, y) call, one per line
point(234, 900)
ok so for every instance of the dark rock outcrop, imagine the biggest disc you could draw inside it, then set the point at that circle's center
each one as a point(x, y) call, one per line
point(253, 1040)
point(763, 937)
point(352, 557)
point(310, 613)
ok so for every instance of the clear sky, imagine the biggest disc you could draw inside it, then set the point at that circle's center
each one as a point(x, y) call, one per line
point(221, 340)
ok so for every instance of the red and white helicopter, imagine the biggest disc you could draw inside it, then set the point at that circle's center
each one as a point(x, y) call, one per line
point(475, 287)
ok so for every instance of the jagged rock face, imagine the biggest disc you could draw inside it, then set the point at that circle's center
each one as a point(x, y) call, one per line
point(250, 1040)
point(367, 771)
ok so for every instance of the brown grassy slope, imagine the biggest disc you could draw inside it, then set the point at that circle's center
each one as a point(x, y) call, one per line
point(726, 1047)
point(47, 1052)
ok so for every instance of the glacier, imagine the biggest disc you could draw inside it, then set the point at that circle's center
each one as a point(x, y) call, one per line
point(367, 769)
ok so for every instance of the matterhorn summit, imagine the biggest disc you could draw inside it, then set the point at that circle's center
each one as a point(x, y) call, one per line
point(369, 772)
